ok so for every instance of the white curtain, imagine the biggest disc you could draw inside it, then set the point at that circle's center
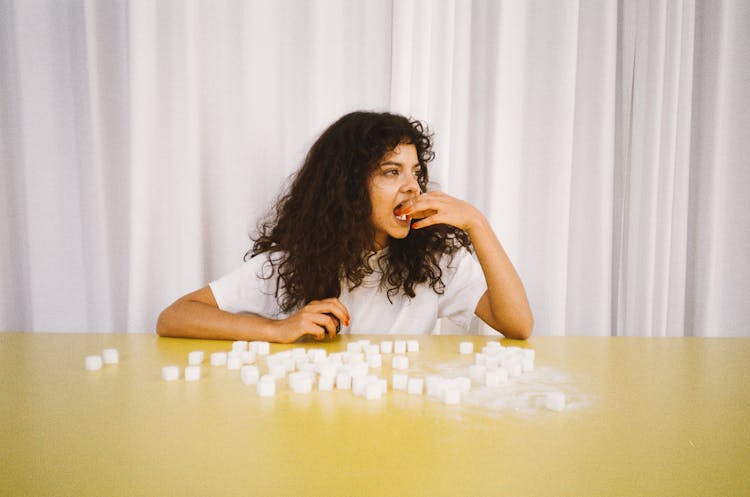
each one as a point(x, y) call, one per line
point(606, 141)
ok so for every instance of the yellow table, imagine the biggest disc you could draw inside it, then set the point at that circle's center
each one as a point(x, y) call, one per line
point(646, 416)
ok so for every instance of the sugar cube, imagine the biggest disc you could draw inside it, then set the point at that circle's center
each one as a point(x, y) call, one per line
point(359, 384)
point(195, 358)
point(325, 382)
point(477, 372)
point(277, 370)
point(170, 373)
point(374, 360)
point(249, 375)
point(492, 345)
point(400, 381)
point(234, 362)
point(93, 362)
point(373, 391)
point(343, 381)
point(435, 385)
point(302, 384)
point(110, 356)
point(466, 347)
point(248, 356)
point(326, 369)
point(317, 355)
point(400, 362)
point(353, 347)
point(260, 348)
point(463, 383)
point(360, 369)
point(451, 395)
point(371, 349)
point(266, 386)
point(383, 385)
point(192, 373)
point(354, 357)
point(218, 358)
point(493, 378)
point(514, 368)
point(415, 386)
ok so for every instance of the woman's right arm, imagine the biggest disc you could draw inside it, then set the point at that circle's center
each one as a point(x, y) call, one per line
point(197, 315)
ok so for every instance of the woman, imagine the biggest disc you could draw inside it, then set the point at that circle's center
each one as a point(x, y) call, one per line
point(358, 245)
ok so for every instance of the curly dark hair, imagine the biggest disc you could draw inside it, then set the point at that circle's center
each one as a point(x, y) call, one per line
point(320, 231)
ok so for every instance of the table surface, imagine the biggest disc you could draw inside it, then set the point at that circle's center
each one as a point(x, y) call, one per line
point(645, 416)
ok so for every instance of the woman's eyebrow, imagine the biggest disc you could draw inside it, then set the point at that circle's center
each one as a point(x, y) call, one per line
point(399, 164)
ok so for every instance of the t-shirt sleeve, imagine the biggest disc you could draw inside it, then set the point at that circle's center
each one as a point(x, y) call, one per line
point(464, 286)
point(246, 290)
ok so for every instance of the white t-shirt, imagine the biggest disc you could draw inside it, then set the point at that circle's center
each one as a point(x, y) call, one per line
point(243, 290)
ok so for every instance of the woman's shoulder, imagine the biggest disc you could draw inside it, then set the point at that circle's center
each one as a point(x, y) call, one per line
point(260, 265)
point(274, 256)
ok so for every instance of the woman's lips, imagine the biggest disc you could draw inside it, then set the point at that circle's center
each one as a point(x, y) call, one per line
point(398, 211)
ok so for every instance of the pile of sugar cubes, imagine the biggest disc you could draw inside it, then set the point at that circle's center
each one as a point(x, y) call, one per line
point(357, 369)
point(496, 365)
point(305, 369)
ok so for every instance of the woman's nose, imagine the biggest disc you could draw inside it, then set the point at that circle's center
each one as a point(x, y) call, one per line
point(411, 184)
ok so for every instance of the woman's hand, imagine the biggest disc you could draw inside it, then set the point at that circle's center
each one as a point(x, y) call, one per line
point(504, 306)
point(440, 208)
point(317, 318)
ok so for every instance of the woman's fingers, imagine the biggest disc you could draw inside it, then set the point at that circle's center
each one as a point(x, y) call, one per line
point(423, 214)
point(426, 209)
point(439, 208)
point(321, 317)
point(331, 306)
point(425, 205)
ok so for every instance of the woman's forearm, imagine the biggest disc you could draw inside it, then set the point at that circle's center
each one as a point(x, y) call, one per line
point(191, 317)
point(504, 306)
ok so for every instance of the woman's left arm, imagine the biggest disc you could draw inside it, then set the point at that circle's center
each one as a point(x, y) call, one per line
point(504, 305)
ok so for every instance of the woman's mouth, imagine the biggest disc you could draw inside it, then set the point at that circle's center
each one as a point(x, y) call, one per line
point(398, 214)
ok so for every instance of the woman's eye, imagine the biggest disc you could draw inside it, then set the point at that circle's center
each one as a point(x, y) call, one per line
point(391, 172)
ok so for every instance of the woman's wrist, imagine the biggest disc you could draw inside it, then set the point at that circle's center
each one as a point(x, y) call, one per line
point(477, 224)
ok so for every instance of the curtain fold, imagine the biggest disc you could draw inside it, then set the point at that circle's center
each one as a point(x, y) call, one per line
point(606, 141)
point(653, 244)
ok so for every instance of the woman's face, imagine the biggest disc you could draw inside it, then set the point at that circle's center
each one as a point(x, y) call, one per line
point(391, 183)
